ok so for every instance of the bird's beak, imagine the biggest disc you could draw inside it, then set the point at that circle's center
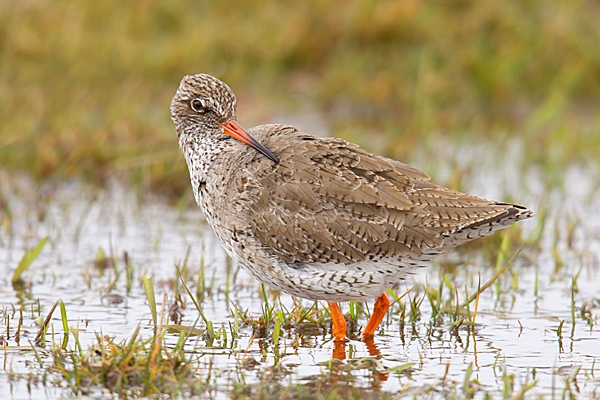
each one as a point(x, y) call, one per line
point(233, 129)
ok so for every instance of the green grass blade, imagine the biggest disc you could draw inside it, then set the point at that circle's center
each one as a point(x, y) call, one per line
point(63, 316)
point(400, 368)
point(28, 258)
point(277, 328)
point(151, 299)
point(65, 324)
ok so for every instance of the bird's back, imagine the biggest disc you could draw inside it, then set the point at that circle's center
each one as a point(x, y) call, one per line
point(329, 202)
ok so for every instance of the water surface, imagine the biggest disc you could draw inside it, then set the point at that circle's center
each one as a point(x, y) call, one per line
point(516, 334)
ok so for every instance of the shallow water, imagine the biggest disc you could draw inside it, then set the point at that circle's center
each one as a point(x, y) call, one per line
point(516, 330)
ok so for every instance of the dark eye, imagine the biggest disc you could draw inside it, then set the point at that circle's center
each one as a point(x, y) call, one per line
point(198, 106)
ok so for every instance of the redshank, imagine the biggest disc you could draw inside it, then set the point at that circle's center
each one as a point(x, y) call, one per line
point(319, 218)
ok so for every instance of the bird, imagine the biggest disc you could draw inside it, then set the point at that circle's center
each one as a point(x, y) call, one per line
point(319, 218)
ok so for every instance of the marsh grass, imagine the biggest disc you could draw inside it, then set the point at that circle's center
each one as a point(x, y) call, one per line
point(173, 357)
point(156, 365)
point(86, 86)
point(131, 368)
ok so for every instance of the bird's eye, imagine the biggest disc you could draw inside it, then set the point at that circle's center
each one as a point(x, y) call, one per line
point(198, 106)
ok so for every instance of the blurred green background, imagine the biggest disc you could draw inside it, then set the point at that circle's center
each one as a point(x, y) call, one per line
point(85, 86)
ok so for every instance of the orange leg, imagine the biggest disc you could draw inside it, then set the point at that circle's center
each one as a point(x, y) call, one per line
point(339, 323)
point(381, 306)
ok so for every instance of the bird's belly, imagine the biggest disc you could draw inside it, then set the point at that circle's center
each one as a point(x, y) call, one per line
point(335, 282)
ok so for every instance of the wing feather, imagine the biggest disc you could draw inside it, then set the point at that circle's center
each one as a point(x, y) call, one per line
point(329, 201)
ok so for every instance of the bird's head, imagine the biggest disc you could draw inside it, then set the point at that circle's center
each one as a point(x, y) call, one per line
point(205, 105)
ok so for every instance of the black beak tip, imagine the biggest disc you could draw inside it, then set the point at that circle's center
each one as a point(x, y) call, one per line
point(274, 158)
point(261, 148)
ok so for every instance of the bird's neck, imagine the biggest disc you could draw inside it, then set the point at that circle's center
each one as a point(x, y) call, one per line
point(200, 151)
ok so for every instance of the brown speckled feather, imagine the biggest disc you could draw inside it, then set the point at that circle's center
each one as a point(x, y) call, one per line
point(329, 201)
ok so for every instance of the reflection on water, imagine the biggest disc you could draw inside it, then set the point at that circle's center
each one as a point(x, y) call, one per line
point(516, 331)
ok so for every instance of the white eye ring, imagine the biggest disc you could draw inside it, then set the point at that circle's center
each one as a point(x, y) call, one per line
point(197, 106)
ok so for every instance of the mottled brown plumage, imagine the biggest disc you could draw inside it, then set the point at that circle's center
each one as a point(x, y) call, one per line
point(318, 218)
